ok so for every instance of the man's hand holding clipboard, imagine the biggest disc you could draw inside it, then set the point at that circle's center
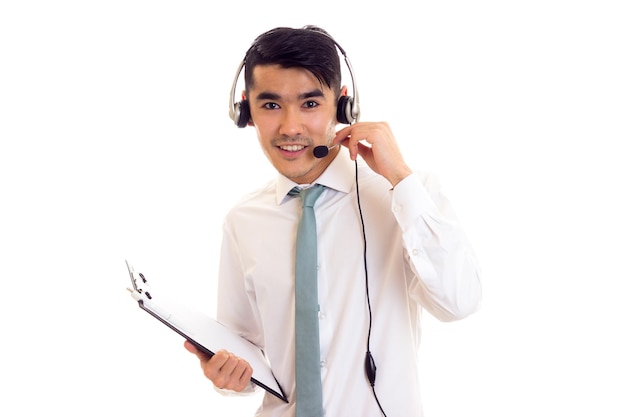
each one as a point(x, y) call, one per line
point(234, 362)
point(224, 369)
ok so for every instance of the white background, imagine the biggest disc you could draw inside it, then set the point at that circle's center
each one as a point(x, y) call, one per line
point(115, 143)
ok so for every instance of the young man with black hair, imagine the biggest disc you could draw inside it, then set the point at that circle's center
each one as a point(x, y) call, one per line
point(388, 243)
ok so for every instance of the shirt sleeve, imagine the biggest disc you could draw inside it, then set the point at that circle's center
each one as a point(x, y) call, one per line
point(238, 309)
point(446, 274)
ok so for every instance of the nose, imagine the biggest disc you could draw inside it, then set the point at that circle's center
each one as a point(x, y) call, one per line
point(291, 123)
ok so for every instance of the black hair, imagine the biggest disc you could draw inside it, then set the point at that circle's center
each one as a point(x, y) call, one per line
point(309, 47)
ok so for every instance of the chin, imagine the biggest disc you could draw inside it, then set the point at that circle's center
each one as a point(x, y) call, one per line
point(301, 176)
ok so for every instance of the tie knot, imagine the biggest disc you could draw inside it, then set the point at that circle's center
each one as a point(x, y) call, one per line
point(309, 196)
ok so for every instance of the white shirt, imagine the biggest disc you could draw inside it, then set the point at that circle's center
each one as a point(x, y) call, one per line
point(417, 258)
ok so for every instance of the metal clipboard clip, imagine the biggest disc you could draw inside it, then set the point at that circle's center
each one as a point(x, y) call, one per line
point(140, 288)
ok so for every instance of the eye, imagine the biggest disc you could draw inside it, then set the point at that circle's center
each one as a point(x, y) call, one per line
point(310, 104)
point(271, 106)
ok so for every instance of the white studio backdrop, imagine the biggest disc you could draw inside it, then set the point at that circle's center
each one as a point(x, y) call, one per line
point(115, 143)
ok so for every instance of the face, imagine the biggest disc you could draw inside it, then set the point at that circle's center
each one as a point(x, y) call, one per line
point(292, 113)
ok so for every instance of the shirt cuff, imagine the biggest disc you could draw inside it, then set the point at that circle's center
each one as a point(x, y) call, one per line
point(250, 389)
point(411, 200)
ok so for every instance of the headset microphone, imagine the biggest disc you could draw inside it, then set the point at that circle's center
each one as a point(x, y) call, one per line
point(321, 151)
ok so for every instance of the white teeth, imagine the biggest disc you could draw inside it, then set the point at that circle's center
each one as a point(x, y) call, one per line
point(292, 148)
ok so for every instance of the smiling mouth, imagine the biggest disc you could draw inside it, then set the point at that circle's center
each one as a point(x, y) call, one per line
point(292, 148)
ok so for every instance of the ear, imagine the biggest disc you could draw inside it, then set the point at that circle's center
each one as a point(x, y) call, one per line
point(344, 91)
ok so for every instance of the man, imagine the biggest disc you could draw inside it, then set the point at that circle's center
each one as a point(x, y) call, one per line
point(388, 243)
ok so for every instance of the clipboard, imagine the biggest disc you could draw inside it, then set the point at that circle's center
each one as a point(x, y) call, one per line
point(206, 333)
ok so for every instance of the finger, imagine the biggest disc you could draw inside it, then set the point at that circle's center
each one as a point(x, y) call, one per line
point(232, 374)
point(348, 137)
point(202, 356)
point(342, 134)
point(228, 366)
point(364, 150)
point(241, 375)
point(190, 347)
point(217, 370)
point(247, 375)
point(220, 359)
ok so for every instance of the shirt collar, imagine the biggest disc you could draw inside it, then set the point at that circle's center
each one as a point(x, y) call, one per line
point(339, 175)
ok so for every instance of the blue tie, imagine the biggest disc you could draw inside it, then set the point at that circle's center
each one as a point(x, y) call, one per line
point(308, 376)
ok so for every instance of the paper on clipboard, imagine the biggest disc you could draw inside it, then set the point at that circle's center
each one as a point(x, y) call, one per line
point(206, 333)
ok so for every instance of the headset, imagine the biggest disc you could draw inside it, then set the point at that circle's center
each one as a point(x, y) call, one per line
point(348, 110)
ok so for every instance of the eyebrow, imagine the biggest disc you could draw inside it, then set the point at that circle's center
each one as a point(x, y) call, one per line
point(266, 95)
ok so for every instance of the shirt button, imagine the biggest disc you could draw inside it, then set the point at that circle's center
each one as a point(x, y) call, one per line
point(416, 252)
point(322, 363)
point(321, 315)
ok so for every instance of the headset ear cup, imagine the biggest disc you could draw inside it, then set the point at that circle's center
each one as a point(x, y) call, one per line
point(243, 113)
point(344, 110)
